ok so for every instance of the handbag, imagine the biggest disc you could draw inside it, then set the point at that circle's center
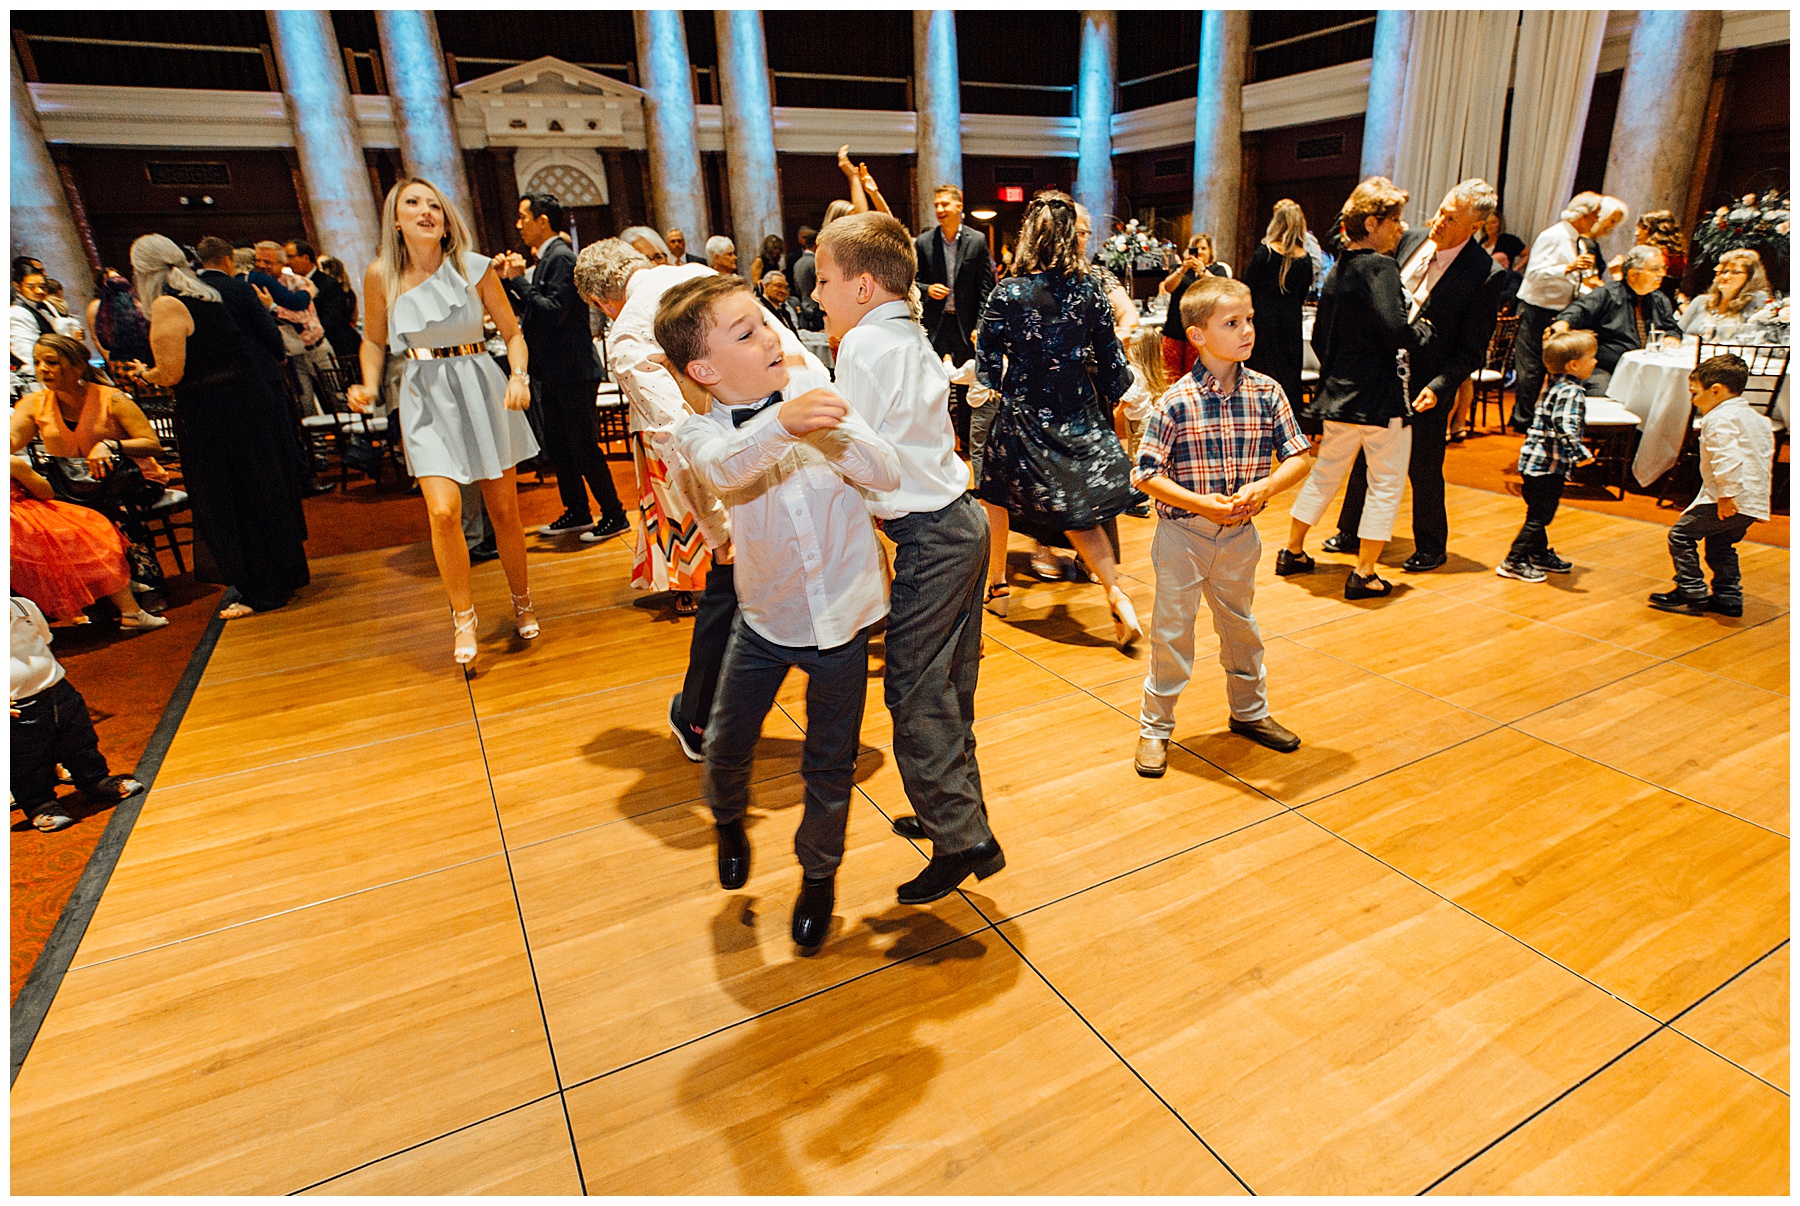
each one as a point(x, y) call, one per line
point(72, 479)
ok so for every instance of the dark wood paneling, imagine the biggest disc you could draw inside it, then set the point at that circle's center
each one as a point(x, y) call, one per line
point(809, 183)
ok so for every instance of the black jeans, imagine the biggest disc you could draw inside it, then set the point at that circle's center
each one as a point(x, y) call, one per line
point(1425, 472)
point(1703, 525)
point(837, 684)
point(1528, 362)
point(51, 727)
point(569, 442)
point(1542, 493)
point(706, 650)
point(933, 655)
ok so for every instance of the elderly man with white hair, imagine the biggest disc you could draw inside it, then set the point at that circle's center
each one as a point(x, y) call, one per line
point(1553, 274)
point(721, 254)
point(1452, 283)
point(1622, 313)
point(780, 299)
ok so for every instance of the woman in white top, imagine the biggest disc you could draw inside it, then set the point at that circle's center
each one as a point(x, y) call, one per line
point(461, 420)
point(1740, 288)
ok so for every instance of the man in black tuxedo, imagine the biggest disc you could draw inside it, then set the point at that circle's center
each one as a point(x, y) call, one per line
point(1455, 285)
point(333, 306)
point(955, 276)
point(566, 368)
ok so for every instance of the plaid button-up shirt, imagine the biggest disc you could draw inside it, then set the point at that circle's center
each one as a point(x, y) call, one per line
point(1211, 442)
point(1553, 445)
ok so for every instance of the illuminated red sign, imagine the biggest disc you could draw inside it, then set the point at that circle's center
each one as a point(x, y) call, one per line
point(1012, 192)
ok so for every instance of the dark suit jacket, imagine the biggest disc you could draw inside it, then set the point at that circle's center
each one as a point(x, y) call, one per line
point(261, 334)
point(974, 279)
point(554, 318)
point(787, 312)
point(1607, 313)
point(333, 308)
point(1461, 310)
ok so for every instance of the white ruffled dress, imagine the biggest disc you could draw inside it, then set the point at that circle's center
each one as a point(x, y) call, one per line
point(453, 417)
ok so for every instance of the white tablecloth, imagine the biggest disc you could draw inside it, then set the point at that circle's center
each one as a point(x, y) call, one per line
point(1654, 387)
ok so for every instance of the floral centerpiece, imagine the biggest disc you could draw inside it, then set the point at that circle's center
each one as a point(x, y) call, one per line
point(1751, 221)
point(1126, 247)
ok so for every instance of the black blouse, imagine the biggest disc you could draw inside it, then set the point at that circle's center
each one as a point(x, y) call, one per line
point(1360, 325)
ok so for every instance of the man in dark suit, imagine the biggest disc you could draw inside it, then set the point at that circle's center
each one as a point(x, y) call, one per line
point(1621, 313)
point(333, 306)
point(1455, 285)
point(779, 301)
point(955, 276)
point(677, 241)
point(567, 371)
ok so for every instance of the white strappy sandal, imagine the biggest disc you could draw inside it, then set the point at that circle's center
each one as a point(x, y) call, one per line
point(528, 628)
point(463, 623)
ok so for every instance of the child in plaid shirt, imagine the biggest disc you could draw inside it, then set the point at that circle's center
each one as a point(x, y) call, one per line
point(1205, 457)
point(1552, 447)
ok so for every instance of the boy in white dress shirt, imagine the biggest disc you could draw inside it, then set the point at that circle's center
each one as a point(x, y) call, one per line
point(785, 454)
point(888, 372)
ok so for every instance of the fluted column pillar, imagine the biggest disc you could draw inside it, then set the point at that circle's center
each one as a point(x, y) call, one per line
point(325, 135)
point(1662, 102)
point(1219, 127)
point(749, 131)
point(937, 95)
point(677, 187)
point(419, 85)
point(1094, 88)
point(43, 224)
point(1387, 93)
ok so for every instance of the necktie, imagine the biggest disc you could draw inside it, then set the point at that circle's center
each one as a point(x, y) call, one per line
point(1417, 273)
point(744, 414)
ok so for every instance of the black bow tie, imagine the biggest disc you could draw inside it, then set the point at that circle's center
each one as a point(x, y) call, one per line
point(744, 414)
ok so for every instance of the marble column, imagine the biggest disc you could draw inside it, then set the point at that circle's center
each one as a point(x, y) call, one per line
point(1094, 87)
point(344, 210)
point(43, 225)
point(937, 92)
point(1219, 128)
point(749, 131)
point(677, 187)
point(419, 86)
point(1662, 103)
point(1387, 93)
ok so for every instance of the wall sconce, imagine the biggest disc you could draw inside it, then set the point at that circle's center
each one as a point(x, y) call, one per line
point(983, 215)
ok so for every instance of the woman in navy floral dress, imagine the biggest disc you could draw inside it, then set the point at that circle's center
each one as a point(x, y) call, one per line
point(1053, 466)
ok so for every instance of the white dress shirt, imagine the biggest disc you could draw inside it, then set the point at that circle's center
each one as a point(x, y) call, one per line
point(808, 565)
point(1424, 270)
point(34, 668)
point(1547, 283)
point(888, 372)
point(1737, 455)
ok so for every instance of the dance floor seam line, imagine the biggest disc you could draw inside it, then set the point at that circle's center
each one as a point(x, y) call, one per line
point(537, 987)
point(1740, 973)
point(1129, 1067)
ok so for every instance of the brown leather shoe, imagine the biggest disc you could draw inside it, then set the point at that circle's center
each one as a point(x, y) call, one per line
point(1266, 732)
point(1152, 757)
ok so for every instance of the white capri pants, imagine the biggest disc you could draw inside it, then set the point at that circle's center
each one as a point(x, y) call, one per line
point(1389, 452)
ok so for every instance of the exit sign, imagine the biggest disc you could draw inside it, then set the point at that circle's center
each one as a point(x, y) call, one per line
point(1012, 192)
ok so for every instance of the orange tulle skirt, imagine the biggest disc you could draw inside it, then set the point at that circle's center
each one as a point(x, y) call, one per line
point(64, 556)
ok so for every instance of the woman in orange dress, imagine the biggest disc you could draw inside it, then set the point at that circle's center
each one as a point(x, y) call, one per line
point(66, 556)
point(79, 413)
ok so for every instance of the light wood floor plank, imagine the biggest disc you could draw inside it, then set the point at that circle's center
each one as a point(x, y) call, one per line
point(524, 1152)
point(1747, 1020)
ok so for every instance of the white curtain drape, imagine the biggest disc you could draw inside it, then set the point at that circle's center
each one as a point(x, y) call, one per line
point(1455, 103)
point(1552, 85)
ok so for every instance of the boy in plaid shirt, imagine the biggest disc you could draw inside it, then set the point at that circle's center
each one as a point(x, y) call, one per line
point(1552, 447)
point(1205, 458)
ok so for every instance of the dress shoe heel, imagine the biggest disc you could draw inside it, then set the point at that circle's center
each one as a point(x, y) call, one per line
point(993, 865)
point(946, 872)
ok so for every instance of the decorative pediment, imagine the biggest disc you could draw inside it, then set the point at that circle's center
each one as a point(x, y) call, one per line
point(550, 102)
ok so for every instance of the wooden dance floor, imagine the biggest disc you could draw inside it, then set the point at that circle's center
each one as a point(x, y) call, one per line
point(1513, 920)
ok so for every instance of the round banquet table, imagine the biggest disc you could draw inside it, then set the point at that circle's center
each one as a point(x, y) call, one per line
point(1653, 385)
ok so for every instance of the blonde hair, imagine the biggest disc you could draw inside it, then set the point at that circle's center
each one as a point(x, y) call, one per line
point(1755, 281)
point(1566, 347)
point(837, 209)
point(685, 315)
point(1378, 198)
point(1144, 350)
point(874, 243)
point(1047, 241)
point(391, 258)
point(1206, 295)
point(1286, 236)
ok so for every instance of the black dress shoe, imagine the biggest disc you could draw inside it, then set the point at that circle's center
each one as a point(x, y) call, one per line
point(812, 911)
point(1724, 607)
point(734, 855)
point(1424, 563)
point(1680, 604)
point(1288, 564)
point(909, 827)
point(1341, 542)
point(1373, 587)
point(484, 552)
point(1266, 732)
point(947, 871)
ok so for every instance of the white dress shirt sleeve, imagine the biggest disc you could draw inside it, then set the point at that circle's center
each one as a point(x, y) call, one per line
point(1546, 275)
point(859, 454)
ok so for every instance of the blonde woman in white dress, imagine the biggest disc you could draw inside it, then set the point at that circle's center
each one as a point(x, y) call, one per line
point(461, 420)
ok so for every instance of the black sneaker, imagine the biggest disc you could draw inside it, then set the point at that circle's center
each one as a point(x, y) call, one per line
point(1342, 543)
point(606, 529)
point(689, 739)
point(1287, 563)
point(1680, 604)
point(1522, 571)
point(569, 524)
point(1550, 563)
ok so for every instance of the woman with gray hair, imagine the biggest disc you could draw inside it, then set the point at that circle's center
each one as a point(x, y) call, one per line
point(237, 453)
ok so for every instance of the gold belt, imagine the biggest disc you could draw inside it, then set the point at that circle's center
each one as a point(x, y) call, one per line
point(461, 349)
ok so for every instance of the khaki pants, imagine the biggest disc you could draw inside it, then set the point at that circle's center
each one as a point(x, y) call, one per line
point(1195, 558)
